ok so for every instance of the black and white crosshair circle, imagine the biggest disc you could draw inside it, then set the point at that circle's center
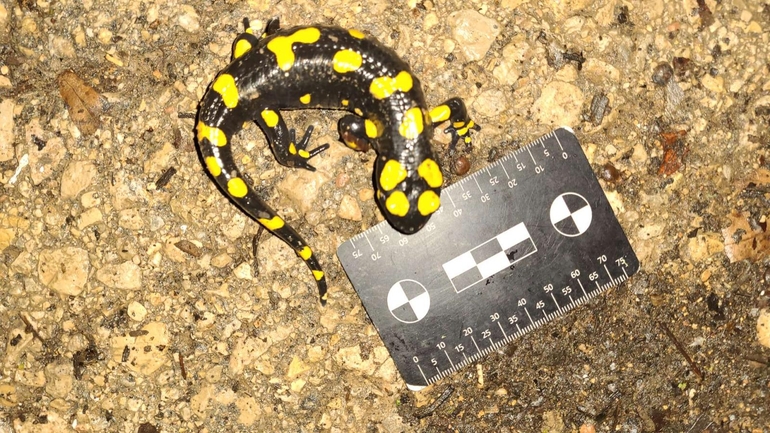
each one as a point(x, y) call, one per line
point(570, 214)
point(408, 301)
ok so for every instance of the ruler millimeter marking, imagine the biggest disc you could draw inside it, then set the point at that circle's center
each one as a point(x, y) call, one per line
point(513, 246)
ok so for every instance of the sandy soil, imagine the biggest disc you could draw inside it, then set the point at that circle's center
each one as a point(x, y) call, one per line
point(133, 301)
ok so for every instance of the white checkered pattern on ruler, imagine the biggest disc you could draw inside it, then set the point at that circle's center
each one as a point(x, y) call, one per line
point(490, 257)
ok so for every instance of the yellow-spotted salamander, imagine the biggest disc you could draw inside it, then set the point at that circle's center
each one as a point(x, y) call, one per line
point(331, 68)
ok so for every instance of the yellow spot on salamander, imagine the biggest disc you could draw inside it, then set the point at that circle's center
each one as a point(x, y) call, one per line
point(318, 276)
point(305, 252)
point(215, 136)
point(270, 117)
point(428, 203)
point(392, 174)
point(273, 223)
point(237, 187)
point(411, 124)
point(356, 34)
point(292, 149)
point(305, 99)
point(358, 111)
point(213, 166)
point(431, 172)
point(382, 87)
point(345, 102)
point(371, 129)
point(463, 131)
point(241, 47)
point(458, 124)
point(346, 61)
point(397, 204)
point(225, 86)
point(281, 46)
point(304, 153)
point(440, 114)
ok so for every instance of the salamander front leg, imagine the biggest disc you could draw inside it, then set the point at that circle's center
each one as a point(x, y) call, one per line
point(461, 125)
point(245, 41)
point(352, 131)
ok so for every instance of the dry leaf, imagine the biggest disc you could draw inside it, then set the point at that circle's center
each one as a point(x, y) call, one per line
point(83, 102)
point(670, 164)
point(744, 242)
point(675, 151)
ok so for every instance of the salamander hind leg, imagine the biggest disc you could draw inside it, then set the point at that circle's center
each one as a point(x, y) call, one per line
point(461, 125)
point(353, 133)
point(287, 150)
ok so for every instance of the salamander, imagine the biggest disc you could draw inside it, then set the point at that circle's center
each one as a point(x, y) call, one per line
point(329, 68)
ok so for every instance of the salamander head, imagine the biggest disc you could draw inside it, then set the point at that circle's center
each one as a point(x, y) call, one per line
point(407, 193)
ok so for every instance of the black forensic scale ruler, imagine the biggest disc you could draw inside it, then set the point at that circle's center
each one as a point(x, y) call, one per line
point(513, 246)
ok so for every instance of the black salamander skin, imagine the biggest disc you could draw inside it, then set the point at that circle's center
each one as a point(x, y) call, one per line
point(331, 68)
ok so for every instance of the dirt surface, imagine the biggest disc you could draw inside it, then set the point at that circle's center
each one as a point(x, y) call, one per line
point(132, 299)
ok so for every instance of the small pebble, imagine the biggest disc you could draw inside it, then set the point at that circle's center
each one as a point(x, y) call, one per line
point(599, 106)
point(662, 74)
point(342, 180)
point(90, 216)
point(78, 176)
point(6, 129)
point(609, 173)
point(126, 275)
point(681, 65)
point(365, 194)
point(461, 165)
point(45, 151)
point(243, 271)
point(490, 103)
point(349, 209)
point(559, 103)
point(136, 311)
point(189, 19)
point(474, 33)
point(64, 270)
point(131, 219)
point(763, 328)
point(190, 248)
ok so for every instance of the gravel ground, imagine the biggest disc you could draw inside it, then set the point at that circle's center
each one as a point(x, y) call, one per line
point(134, 302)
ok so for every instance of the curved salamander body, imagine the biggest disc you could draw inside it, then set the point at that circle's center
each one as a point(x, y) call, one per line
point(333, 68)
